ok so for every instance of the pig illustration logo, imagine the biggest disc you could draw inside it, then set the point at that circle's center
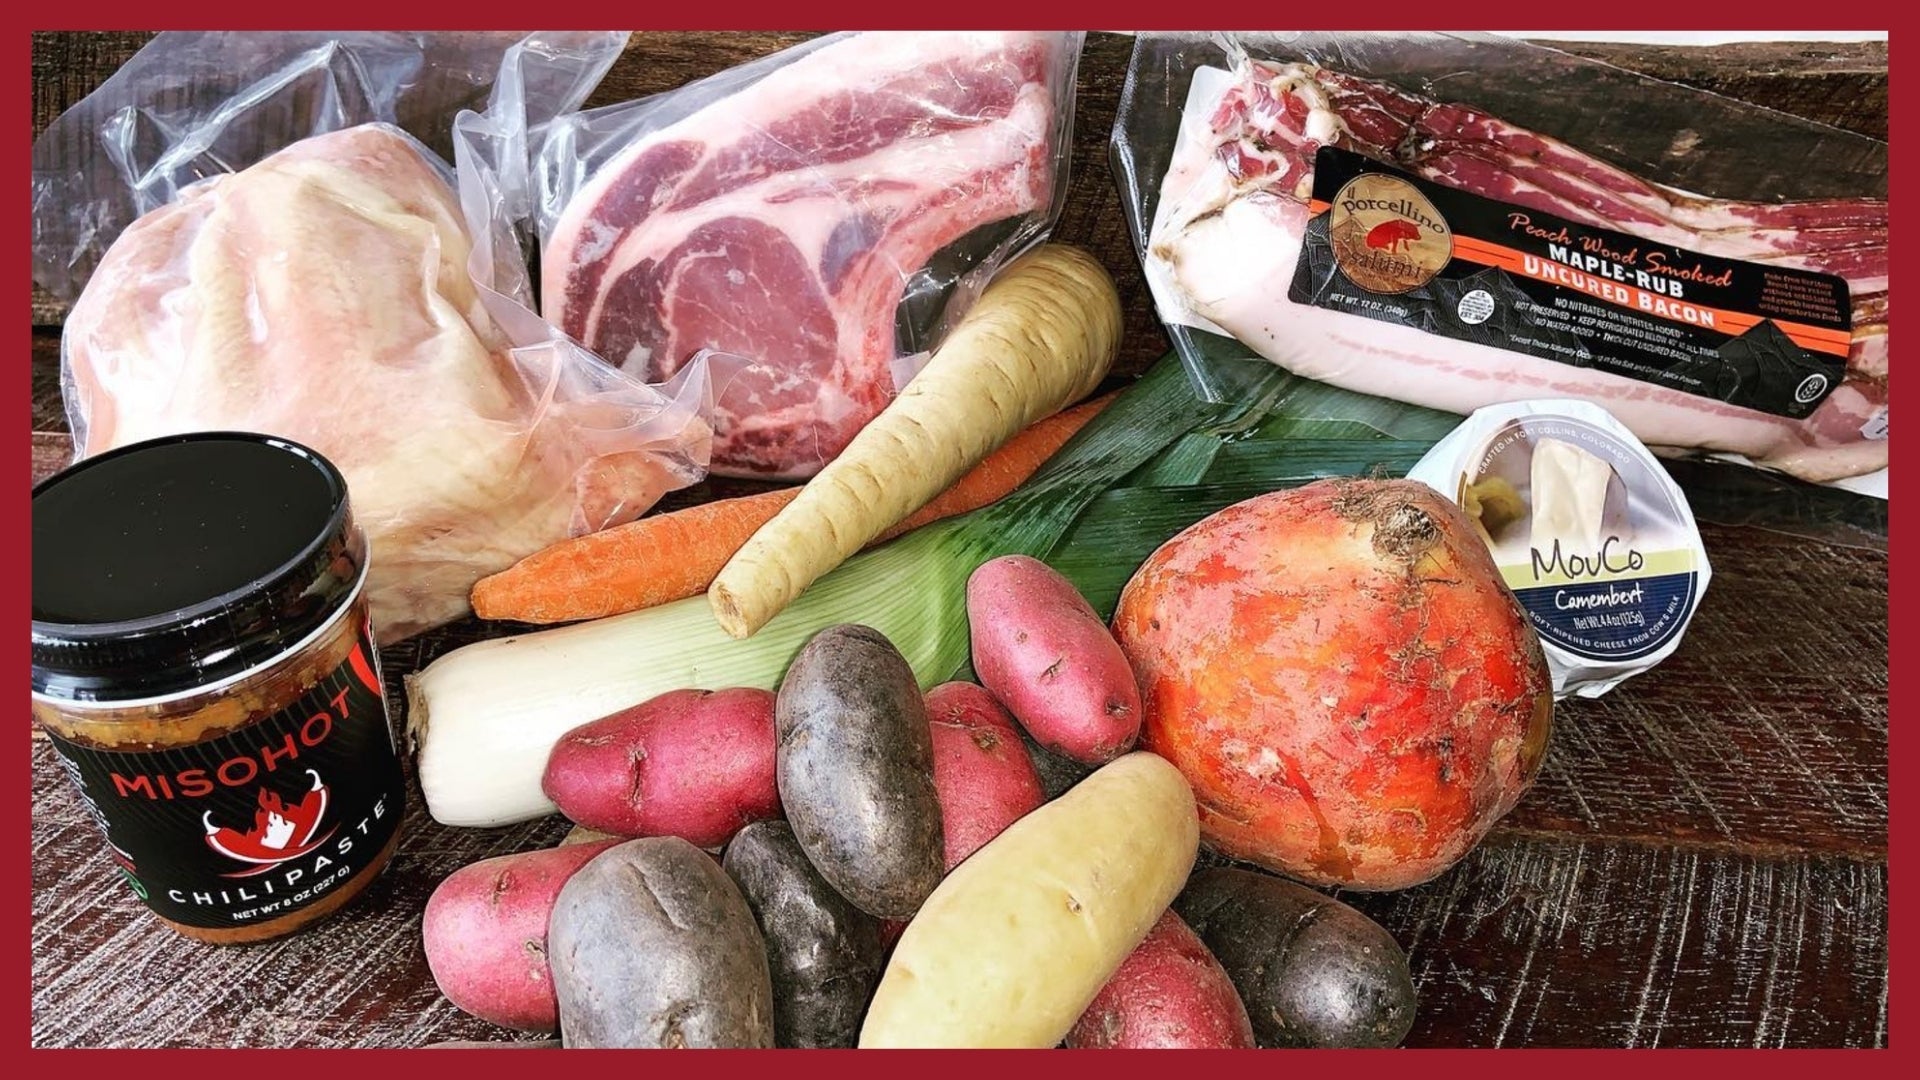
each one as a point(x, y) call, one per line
point(280, 832)
point(1393, 235)
point(1387, 236)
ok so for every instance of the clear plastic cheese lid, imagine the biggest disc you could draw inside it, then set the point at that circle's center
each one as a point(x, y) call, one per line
point(1593, 536)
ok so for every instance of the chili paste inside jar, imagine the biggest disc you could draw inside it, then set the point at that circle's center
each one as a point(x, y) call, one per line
point(204, 665)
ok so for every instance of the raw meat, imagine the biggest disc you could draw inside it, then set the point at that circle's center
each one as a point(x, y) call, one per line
point(783, 222)
point(1233, 215)
point(323, 295)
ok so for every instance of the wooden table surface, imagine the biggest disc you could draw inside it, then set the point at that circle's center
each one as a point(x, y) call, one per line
point(1703, 861)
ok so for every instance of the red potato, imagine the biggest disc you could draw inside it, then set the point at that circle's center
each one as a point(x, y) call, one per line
point(981, 770)
point(1044, 653)
point(1169, 994)
point(890, 932)
point(697, 764)
point(1343, 677)
point(485, 933)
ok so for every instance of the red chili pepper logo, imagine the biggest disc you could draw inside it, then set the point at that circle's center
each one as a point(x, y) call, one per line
point(279, 832)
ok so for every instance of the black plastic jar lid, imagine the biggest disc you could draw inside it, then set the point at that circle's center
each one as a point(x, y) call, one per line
point(172, 564)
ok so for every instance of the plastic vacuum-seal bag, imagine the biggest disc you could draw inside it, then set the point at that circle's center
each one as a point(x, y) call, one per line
point(823, 214)
point(276, 252)
point(1460, 220)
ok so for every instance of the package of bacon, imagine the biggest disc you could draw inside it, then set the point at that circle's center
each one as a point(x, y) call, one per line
point(1458, 220)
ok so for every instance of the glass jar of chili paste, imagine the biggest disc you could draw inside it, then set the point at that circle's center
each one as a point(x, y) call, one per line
point(204, 665)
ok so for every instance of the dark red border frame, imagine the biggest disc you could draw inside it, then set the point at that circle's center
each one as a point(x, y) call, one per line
point(869, 14)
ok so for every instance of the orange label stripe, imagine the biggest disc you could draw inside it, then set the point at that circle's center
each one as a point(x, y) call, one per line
point(1814, 338)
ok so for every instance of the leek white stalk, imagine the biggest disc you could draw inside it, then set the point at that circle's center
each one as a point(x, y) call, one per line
point(484, 717)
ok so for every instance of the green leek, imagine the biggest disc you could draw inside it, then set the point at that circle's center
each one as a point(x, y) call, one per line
point(485, 716)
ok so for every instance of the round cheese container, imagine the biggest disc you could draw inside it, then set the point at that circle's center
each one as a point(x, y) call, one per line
point(1591, 534)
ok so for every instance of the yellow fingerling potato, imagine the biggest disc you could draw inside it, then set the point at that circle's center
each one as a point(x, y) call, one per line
point(1015, 943)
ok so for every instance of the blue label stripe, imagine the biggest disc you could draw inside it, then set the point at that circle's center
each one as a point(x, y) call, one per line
point(1619, 631)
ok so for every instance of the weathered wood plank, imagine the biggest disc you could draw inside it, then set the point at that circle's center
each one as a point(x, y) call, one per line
point(51, 452)
point(49, 413)
point(1763, 734)
point(106, 975)
point(1701, 797)
point(1703, 861)
point(1840, 84)
point(1530, 941)
point(69, 65)
point(1554, 942)
point(1766, 732)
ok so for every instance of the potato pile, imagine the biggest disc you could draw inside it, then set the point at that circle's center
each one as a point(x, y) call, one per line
point(853, 862)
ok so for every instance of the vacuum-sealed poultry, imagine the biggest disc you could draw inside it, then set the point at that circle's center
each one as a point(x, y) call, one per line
point(323, 295)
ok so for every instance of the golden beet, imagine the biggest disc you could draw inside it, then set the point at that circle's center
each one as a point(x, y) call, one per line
point(1342, 676)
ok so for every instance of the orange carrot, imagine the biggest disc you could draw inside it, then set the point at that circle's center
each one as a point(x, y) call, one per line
point(668, 557)
point(640, 564)
point(1004, 469)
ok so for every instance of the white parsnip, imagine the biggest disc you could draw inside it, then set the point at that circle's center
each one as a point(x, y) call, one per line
point(485, 717)
point(1040, 337)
